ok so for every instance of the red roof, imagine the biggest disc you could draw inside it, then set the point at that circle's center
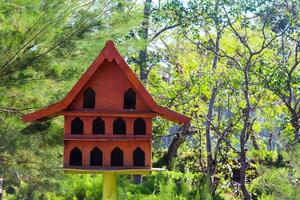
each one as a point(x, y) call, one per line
point(109, 53)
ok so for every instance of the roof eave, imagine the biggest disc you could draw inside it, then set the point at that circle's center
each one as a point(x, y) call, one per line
point(48, 111)
point(172, 115)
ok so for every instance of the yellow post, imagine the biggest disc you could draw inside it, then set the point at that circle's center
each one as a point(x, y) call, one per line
point(110, 178)
point(109, 186)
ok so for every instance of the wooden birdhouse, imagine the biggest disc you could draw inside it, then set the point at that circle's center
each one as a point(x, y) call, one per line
point(107, 117)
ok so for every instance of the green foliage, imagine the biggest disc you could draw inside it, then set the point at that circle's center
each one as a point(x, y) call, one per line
point(165, 185)
point(46, 46)
point(283, 182)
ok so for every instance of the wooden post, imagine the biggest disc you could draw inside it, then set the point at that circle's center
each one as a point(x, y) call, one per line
point(109, 186)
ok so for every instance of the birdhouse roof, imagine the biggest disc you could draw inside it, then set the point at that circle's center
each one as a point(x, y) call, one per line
point(109, 53)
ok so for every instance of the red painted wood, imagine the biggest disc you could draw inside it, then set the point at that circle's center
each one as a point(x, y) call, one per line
point(106, 147)
point(88, 120)
point(110, 77)
point(109, 53)
point(107, 138)
point(109, 114)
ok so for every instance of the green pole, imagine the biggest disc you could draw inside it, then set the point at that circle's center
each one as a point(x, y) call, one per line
point(109, 186)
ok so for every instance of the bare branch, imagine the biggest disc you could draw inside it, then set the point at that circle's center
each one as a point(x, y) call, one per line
point(163, 30)
point(221, 135)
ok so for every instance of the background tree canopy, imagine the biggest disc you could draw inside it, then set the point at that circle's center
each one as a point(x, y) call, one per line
point(233, 66)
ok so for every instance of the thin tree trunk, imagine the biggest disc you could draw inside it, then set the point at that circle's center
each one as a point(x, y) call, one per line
point(270, 140)
point(210, 160)
point(243, 170)
point(245, 134)
point(145, 32)
point(254, 142)
point(296, 126)
point(291, 97)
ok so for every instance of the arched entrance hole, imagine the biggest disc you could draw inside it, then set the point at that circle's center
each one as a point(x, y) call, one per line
point(119, 127)
point(117, 157)
point(96, 157)
point(75, 157)
point(139, 127)
point(138, 157)
point(129, 99)
point(77, 126)
point(89, 96)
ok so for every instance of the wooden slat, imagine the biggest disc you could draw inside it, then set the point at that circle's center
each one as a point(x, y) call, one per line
point(118, 170)
point(108, 114)
point(106, 137)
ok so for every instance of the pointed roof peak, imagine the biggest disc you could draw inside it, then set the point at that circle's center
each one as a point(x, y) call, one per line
point(109, 53)
point(109, 43)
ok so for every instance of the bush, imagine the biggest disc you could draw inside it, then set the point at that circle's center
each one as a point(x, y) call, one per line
point(281, 183)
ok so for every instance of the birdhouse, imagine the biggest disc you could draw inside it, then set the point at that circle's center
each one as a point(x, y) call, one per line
point(107, 117)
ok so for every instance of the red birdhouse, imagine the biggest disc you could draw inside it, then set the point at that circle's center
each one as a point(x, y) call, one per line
point(108, 117)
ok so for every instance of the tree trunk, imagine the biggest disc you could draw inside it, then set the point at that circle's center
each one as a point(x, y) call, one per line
point(245, 134)
point(296, 126)
point(243, 171)
point(254, 142)
point(167, 158)
point(270, 141)
point(172, 151)
point(144, 34)
point(210, 160)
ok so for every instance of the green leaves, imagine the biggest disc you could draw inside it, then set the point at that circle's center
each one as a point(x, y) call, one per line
point(46, 45)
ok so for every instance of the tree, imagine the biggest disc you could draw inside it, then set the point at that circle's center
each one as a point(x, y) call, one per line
point(245, 60)
point(280, 74)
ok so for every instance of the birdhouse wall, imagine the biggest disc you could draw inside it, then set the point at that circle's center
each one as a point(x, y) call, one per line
point(109, 83)
point(128, 147)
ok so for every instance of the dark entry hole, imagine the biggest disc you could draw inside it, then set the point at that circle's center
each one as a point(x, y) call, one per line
point(96, 157)
point(77, 126)
point(138, 157)
point(89, 98)
point(119, 127)
point(117, 157)
point(139, 127)
point(76, 157)
point(98, 126)
point(129, 99)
